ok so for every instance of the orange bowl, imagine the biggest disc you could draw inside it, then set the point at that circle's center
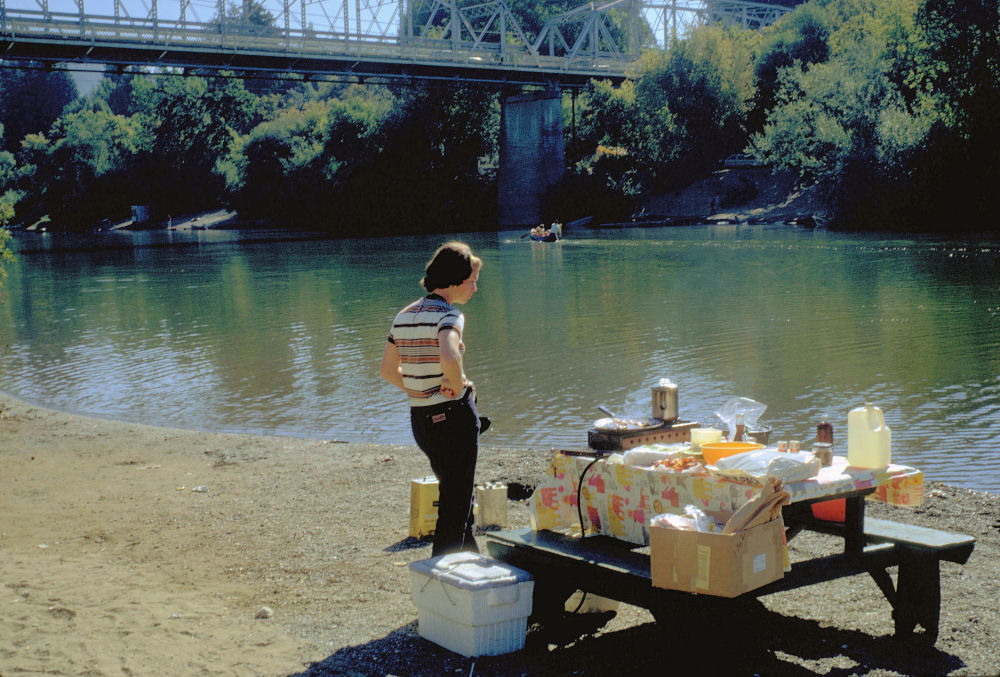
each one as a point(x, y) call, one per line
point(713, 451)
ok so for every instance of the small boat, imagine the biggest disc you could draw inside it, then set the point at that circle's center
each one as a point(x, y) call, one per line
point(548, 237)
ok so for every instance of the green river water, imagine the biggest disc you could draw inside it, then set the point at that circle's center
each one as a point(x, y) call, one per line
point(263, 333)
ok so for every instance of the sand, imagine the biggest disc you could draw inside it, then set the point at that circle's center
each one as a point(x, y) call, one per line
point(128, 549)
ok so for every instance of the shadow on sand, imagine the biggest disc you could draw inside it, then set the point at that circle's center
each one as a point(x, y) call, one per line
point(773, 645)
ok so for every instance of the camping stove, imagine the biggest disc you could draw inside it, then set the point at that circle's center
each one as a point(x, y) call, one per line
point(657, 432)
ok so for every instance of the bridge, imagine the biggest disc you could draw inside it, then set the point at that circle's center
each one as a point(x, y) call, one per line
point(457, 40)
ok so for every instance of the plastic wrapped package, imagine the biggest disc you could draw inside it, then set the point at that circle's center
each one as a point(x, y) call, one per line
point(693, 519)
point(751, 410)
point(772, 463)
point(647, 455)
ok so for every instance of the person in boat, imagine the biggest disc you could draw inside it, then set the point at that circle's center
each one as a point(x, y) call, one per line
point(556, 229)
point(423, 358)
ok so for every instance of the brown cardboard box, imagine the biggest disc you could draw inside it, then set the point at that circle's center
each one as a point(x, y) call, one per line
point(725, 565)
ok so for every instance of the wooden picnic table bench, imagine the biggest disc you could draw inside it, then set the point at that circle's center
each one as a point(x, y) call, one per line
point(613, 568)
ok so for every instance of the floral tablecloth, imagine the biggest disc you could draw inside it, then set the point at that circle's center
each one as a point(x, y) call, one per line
point(618, 500)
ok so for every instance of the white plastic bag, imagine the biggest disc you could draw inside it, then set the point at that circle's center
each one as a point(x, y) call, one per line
point(750, 409)
point(772, 463)
point(693, 519)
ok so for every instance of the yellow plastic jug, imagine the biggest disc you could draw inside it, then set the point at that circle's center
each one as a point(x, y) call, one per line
point(869, 439)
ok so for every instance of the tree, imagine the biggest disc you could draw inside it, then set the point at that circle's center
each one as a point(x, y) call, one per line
point(369, 159)
point(8, 198)
point(30, 100)
point(798, 40)
point(954, 78)
point(682, 112)
point(249, 16)
point(83, 167)
point(276, 172)
point(192, 123)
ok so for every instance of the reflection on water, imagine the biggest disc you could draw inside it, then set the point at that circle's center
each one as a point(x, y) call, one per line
point(285, 337)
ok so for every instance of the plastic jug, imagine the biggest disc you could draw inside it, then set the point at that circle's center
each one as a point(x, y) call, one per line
point(869, 440)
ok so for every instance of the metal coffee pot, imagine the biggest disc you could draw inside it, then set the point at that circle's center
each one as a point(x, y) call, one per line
point(664, 396)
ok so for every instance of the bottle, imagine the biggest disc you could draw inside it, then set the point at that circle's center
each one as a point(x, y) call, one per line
point(869, 439)
point(740, 426)
point(824, 431)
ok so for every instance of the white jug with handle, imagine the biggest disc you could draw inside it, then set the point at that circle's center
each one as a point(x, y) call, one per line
point(869, 439)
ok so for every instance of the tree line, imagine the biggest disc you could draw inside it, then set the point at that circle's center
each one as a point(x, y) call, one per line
point(886, 106)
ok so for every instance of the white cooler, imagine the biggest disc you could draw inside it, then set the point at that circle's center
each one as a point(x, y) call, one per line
point(472, 604)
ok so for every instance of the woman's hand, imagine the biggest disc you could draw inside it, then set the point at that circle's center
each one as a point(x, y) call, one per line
point(449, 390)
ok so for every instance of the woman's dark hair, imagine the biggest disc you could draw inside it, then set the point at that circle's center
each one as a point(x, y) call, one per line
point(452, 263)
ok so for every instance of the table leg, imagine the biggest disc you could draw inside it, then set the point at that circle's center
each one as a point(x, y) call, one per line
point(854, 524)
point(918, 597)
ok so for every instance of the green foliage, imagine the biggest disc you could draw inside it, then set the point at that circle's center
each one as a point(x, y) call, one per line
point(6, 256)
point(683, 111)
point(797, 40)
point(955, 84)
point(8, 198)
point(193, 123)
point(694, 99)
point(30, 100)
point(900, 121)
point(369, 159)
point(82, 168)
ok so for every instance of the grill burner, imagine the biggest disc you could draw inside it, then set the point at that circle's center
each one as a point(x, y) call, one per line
point(622, 440)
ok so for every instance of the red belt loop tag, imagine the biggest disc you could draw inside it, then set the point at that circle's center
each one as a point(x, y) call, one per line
point(437, 418)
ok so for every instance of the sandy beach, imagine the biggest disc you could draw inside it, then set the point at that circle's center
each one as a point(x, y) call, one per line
point(128, 549)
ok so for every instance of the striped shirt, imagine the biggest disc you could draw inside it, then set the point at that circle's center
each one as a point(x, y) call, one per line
point(415, 335)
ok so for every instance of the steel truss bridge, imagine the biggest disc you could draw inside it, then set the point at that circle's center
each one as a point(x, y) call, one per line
point(455, 40)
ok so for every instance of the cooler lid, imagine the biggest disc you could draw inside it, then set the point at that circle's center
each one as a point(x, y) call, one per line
point(470, 570)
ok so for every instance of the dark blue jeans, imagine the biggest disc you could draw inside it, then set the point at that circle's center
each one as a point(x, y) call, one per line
point(448, 434)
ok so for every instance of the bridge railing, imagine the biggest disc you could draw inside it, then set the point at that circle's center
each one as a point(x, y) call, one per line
point(154, 35)
point(461, 36)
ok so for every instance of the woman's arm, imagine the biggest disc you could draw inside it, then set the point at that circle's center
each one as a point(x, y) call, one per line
point(453, 379)
point(390, 368)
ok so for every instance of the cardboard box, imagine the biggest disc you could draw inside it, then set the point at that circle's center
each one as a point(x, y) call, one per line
point(725, 565)
point(471, 604)
point(424, 493)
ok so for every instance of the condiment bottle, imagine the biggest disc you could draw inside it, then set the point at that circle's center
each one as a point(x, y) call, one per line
point(824, 431)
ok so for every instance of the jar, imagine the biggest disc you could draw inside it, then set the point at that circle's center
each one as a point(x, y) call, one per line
point(824, 452)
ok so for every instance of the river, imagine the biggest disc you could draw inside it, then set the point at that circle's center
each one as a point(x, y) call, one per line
point(254, 333)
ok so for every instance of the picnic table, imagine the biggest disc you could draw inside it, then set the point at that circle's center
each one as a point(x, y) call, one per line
point(590, 528)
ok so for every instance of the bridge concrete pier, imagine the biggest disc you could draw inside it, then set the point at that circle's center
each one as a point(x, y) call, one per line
point(531, 155)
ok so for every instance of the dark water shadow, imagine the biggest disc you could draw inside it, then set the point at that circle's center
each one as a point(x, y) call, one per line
point(774, 645)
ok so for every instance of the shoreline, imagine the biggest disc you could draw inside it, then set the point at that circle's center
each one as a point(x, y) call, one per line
point(128, 548)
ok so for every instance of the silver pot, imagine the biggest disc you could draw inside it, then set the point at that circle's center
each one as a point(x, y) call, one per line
point(664, 396)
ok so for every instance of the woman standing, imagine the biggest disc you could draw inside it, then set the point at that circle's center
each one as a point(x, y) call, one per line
point(423, 357)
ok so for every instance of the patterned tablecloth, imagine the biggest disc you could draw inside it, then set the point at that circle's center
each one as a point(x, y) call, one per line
point(618, 500)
